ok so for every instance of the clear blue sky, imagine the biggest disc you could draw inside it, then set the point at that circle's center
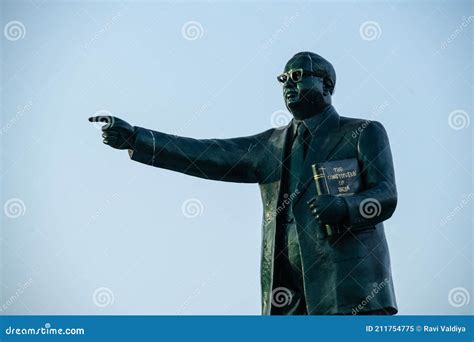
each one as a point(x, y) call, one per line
point(90, 218)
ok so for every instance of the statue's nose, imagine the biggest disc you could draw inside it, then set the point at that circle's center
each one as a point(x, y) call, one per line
point(288, 86)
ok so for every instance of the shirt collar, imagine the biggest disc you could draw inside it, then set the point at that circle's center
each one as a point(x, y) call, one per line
point(313, 122)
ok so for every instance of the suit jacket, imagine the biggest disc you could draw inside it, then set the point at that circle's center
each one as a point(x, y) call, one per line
point(349, 273)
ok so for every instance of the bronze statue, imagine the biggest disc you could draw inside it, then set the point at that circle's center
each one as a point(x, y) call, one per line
point(322, 253)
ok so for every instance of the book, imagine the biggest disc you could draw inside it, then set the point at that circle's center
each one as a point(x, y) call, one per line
point(338, 178)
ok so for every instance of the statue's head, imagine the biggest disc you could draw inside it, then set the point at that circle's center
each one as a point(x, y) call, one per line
point(308, 84)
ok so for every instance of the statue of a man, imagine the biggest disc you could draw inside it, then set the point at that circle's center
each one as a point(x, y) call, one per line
point(304, 269)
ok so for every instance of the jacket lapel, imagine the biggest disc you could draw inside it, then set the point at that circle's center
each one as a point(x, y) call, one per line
point(279, 141)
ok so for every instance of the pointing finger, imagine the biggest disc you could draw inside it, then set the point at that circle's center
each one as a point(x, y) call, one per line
point(107, 119)
point(104, 118)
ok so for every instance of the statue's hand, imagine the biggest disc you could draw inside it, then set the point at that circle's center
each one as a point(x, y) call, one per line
point(328, 208)
point(117, 133)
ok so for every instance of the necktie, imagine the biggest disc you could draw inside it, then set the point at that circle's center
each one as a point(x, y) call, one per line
point(298, 152)
point(295, 165)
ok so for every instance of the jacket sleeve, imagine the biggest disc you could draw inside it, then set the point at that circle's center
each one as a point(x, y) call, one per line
point(231, 160)
point(378, 200)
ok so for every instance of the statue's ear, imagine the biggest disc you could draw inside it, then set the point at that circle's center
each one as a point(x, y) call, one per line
point(328, 86)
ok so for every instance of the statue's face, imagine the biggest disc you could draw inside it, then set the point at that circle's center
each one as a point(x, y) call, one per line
point(306, 96)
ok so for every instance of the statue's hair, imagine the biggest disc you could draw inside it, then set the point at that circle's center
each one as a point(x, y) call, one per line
point(318, 63)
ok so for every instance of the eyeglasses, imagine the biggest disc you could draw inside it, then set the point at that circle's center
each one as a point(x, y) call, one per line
point(296, 75)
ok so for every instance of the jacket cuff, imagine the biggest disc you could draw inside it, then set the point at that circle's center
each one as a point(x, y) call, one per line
point(354, 217)
point(144, 147)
